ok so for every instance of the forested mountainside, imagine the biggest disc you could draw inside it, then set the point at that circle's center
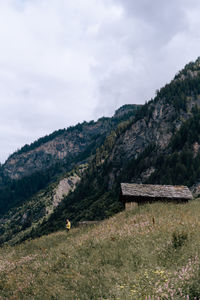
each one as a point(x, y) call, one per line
point(161, 145)
point(30, 178)
point(158, 143)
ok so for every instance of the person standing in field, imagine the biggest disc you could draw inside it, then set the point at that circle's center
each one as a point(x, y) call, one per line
point(68, 225)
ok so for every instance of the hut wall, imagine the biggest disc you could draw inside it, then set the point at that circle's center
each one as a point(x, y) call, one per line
point(130, 205)
point(130, 202)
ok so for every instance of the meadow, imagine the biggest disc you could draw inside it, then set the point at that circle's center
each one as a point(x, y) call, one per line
point(151, 252)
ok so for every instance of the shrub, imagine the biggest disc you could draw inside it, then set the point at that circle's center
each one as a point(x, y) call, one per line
point(178, 239)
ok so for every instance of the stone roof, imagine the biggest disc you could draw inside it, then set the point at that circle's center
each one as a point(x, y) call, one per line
point(156, 191)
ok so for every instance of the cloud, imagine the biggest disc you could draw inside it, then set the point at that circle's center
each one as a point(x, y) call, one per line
point(155, 40)
point(62, 62)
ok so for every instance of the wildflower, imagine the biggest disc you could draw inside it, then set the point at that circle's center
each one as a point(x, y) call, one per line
point(146, 274)
point(159, 272)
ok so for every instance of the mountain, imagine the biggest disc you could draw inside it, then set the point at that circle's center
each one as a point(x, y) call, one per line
point(66, 146)
point(160, 145)
point(34, 179)
point(157, 143)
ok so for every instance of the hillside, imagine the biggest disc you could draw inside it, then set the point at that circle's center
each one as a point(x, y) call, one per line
point(149, 253)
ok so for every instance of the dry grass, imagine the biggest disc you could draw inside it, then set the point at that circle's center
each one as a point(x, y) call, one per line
point(150, 253)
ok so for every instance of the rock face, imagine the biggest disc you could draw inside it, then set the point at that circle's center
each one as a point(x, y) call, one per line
point(154, 130)
point(63, 145)
point(65, 186)
point(158, 130)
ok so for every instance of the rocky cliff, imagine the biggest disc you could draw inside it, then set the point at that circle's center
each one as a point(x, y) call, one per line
point(64, 146)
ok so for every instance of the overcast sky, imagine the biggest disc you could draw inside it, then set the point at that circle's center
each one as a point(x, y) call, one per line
point(66, 61)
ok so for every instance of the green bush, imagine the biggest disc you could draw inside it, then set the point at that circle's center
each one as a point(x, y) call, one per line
point(179, 239)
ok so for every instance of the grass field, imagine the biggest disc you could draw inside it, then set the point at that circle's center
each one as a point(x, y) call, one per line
point(149, 253)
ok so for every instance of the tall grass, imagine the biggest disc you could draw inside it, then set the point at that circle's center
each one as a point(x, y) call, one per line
point(149, 253)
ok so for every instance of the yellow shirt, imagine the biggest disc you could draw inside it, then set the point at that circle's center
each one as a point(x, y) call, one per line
point(68, 225)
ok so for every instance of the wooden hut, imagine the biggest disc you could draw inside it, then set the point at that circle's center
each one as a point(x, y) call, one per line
point(133, 194)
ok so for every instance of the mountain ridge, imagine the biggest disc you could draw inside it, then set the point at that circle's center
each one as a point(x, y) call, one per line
point(62, 144)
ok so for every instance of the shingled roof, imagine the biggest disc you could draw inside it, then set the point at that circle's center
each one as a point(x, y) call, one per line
point(156, 191)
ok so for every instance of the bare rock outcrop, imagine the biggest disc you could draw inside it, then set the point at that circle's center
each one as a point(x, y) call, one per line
point(65, 186)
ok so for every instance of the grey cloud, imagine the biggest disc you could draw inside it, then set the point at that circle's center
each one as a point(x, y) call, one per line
point(158, 39)
point(158, 12)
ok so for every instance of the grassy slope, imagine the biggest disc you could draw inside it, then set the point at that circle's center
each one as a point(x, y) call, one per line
point(152, 251)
